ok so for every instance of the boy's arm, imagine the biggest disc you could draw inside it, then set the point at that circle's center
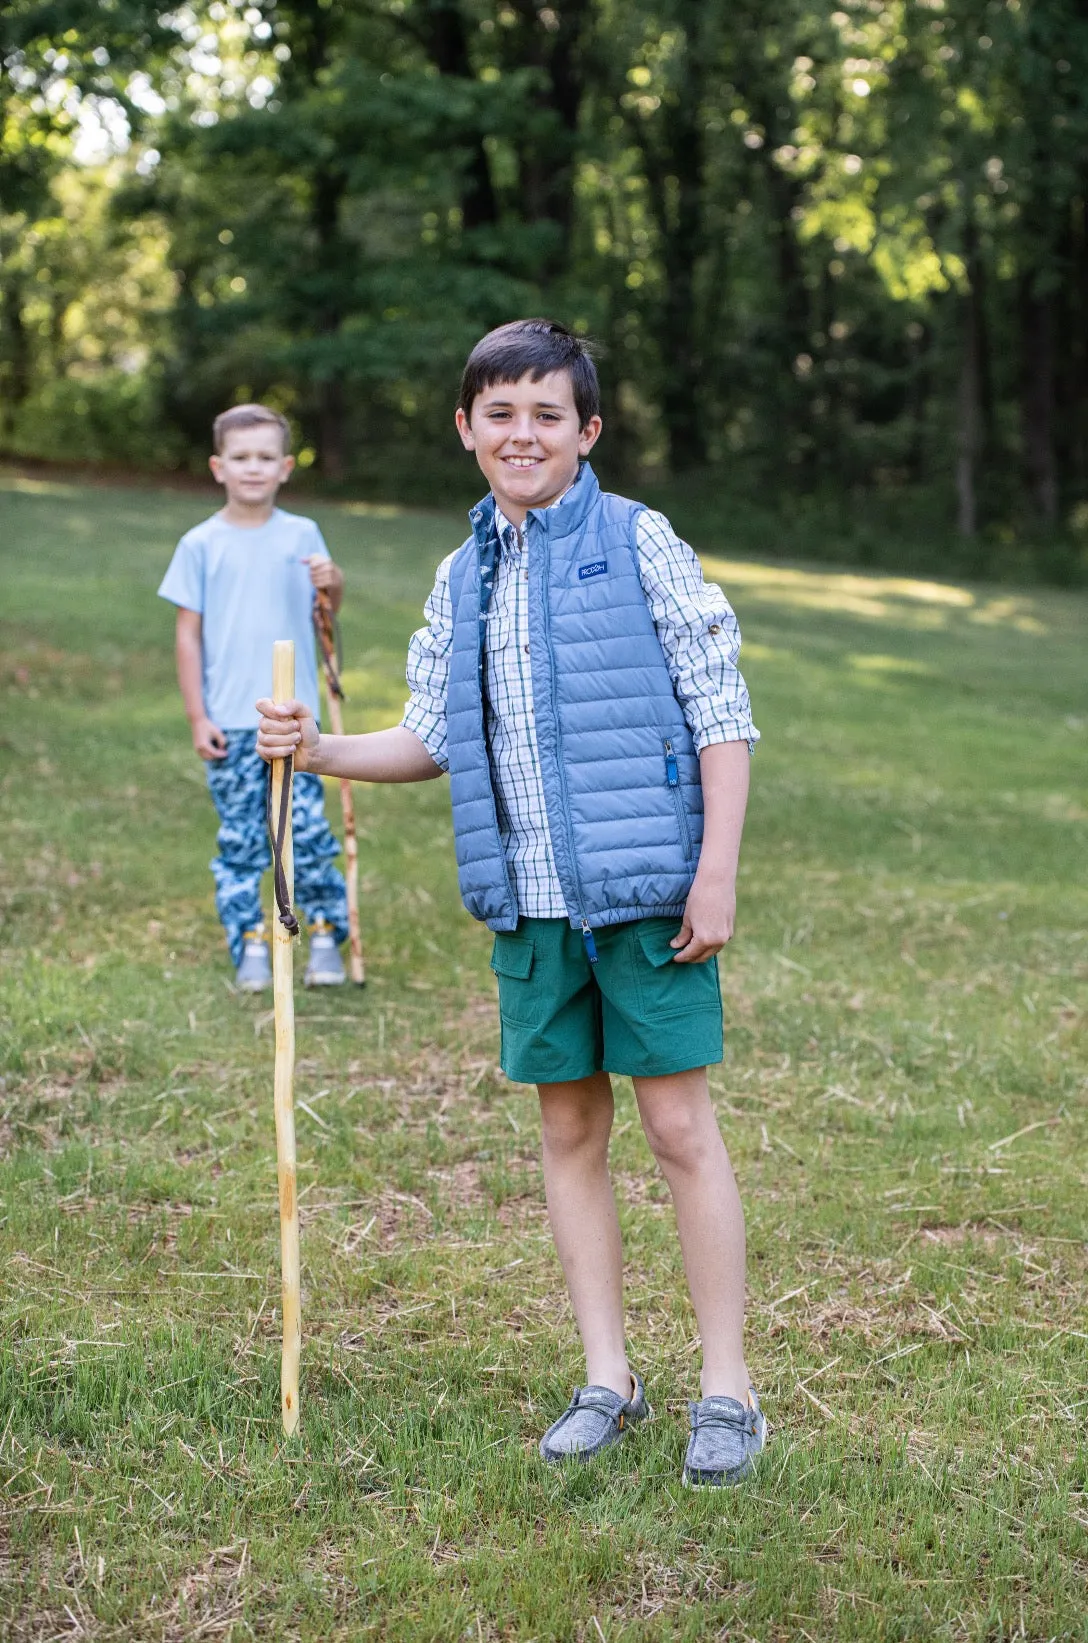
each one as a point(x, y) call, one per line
point(699, 636)
point(712, 900)
point(208, 739)
point(414, 750)
point(393, 755)
point(324, 575)
point(700, 640)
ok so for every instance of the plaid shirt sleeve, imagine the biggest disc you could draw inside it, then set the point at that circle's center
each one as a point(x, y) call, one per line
point(429, 669)
point(699, 636)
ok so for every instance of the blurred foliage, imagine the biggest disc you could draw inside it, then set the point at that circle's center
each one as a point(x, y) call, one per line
point(832, 255)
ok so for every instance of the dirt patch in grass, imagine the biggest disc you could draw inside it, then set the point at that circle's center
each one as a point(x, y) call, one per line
point(460, 1186)
point(208, 1603)
point(970, 1232)
point(655, 1586)
point(466, 1188)
point(44, 1111)
point(38, 1112)
point(401, 1221)
point(641, 1187)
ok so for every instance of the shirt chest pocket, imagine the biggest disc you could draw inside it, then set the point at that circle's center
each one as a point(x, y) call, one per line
point(506, 624)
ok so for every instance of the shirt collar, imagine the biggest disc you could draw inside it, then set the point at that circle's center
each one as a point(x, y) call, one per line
point(503, 525)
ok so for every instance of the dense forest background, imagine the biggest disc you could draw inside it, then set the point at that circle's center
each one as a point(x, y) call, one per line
point(836, 260)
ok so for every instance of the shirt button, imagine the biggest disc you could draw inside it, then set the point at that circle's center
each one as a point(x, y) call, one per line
point(714, 628)
point(526, 650)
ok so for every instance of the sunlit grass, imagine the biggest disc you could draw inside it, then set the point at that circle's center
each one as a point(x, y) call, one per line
point(903, 1096)
point(906, 601)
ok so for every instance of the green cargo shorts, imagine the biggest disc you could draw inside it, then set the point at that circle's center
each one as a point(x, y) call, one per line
point(634, 1012)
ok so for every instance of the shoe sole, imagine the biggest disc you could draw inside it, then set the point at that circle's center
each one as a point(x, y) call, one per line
point(323, 981)
point(253, 986)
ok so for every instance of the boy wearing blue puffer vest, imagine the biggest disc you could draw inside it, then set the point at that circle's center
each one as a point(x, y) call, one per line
point(577, 678)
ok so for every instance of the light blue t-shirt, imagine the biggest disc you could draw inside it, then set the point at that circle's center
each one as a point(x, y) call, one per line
point(250, 587)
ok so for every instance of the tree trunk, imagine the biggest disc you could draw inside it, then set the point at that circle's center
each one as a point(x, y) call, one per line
point(1037, 399)
point(1070, 323)
point(330, 428)
point(975, 397)
point(918, 392)
point(674, 159)
point(769, 104)
point(328, 192)
point(546, 166)
point(969, 422)
point(448, 50)
point(15, 370)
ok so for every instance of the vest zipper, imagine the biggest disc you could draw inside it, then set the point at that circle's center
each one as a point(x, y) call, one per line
point(481, 664)
point(672, 777)
point(587, 933)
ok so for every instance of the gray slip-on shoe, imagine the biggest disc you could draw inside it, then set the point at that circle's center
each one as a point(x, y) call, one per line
point(325, 967)
point(726, 1437)
point(595, 1418)
point(254, 974)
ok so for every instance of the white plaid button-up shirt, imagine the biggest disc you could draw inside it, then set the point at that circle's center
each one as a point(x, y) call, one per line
point(700, 640)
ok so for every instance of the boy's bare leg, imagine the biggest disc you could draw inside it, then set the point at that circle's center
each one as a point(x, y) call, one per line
point(683, 1133)
point(576, 1120)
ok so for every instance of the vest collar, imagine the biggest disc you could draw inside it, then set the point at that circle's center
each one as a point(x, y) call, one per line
point(564, 520)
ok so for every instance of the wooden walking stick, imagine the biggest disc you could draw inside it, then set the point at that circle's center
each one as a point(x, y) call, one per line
point(326, 634)
point(284, 930)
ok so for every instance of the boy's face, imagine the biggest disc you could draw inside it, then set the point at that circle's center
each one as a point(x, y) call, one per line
point(527, 440)
point(252, 466)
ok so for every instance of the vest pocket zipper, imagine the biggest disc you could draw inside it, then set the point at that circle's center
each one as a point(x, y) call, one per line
point(672, 777)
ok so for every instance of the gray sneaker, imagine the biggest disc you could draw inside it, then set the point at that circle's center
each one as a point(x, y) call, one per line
point(325, 967)
point(254, 974)
point(726, 1438)
point(595, 1418)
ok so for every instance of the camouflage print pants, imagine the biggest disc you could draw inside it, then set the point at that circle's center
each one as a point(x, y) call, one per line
point(237, 785)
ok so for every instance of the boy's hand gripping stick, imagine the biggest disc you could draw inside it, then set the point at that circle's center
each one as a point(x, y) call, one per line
point(284, 928)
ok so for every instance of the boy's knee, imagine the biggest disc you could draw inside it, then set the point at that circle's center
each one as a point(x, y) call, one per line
point(676, 1135)
point(572, 1127)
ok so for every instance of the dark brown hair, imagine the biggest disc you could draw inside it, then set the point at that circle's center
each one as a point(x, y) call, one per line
point(534, 348)
point(249, 416)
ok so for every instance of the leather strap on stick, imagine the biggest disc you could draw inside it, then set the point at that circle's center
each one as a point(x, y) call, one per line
point(277, 833)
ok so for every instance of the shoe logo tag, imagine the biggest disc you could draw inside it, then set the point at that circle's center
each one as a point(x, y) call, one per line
point(597, 568)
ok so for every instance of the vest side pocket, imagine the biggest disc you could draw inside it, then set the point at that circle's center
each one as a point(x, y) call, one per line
point(672, 779)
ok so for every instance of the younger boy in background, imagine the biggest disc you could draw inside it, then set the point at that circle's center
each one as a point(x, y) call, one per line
point(241, 580)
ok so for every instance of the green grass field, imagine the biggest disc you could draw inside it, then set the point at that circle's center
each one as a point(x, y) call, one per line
point(903, 1098)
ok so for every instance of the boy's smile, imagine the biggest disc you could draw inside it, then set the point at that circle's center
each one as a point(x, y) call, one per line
point(527, 440)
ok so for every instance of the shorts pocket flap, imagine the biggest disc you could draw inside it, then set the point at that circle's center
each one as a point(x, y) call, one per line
point(512, 956)
point(655, 937)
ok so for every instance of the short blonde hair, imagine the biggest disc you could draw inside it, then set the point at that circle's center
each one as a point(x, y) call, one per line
point(249, 416)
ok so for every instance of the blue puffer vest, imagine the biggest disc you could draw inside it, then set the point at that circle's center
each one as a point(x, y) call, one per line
point(620, 772)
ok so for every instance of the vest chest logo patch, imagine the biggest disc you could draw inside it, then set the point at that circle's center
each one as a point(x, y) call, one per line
point(597, 568)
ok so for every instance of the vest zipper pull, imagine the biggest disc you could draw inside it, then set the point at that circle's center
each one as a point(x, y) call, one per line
point(672, 773)
point(591, 945)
